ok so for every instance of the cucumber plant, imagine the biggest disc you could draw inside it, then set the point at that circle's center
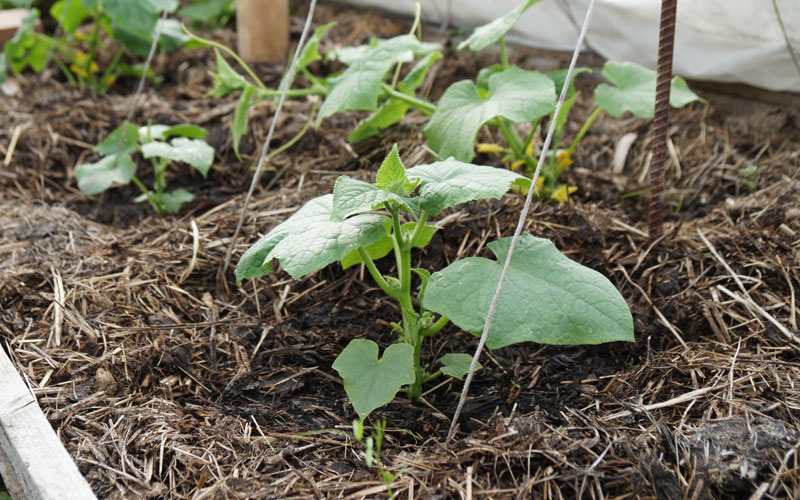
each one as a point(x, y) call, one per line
point(117, 165)
point(547, 298)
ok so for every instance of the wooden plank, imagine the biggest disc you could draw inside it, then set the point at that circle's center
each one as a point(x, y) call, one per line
point(10, 21)
point(33, 462)
point(262, 29)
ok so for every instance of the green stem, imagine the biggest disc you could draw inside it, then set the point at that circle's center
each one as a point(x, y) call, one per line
point(503, 55)
point(67, 73)
point(297, 137)
point(583, 130)
point(112, 66)
point(529, 138)
point(440, 323)
point(149, 194)
point(511, 136)
point(418, 230)
point(376, 275)
point(230, 52)
point(424, 107)
point(314, 90)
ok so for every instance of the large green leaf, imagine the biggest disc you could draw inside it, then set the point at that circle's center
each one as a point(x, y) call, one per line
point(206, 10)
point(394, 109)
point(516, 94)
point(94, 178)
point(351, 196)
point(634, 90)
point(195, 152)
point(488, 34)
point(137, 18)
point(309, 240)
point(546, 298)
point(371, 382)
point(445, 184)
point(359, 85)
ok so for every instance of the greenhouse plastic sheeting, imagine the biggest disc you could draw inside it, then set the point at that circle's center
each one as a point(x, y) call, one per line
point(716, 40)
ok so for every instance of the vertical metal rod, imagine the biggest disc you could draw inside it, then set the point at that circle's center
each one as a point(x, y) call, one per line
point(661, 121)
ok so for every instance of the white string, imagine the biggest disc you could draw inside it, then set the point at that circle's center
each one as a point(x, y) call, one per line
point(286, 82)
point(520, 224)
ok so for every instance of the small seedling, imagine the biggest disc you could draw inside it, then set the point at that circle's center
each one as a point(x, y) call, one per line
point(162, 145)
point(547, 298)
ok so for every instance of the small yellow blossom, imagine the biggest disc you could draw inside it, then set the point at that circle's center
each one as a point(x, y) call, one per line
point(486, 147)
point(564, 159)
point(93, 67)
point(562, 193)
point(81, 37)
point(110, 79)
point(539, 184)
point(78, 70)
point(517, 163)
point(529, 149)
point(80, 57)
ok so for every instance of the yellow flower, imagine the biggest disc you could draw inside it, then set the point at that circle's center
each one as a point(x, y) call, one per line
point(80, 57)
point(517, 164)
point(486, 147)
point(539, 184)
point(110, 79)
point(81, 37)
point(93, 68)
point(562, 192)
point(529, 149)
point(78, 70)
point(564, 160)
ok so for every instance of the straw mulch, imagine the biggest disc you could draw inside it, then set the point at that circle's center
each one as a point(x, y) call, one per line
point(166, 379)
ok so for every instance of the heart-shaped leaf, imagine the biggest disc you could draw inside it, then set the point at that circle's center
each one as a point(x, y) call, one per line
point(634, 90)
point(456, 364)
point(94, 178)
point(111, 144)
point(485, 35)
point(195, 152)
point(516, 94)
point(309, 240)
point(371, 382)
point(546, 298)
point(173, 201)
point(445, 184)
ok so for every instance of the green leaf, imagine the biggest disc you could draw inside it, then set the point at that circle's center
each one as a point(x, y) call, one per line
point(309, 240)
point(382, 247)
point(456, 364)
point(186, 130)
point(448, 183)
point(488, 34)
point(546, 298)
point(516, 94)
point(392, 175)
point(226, 80)
point(359, 85)
point(111, 143)
point(137, 18)
point(634, 90)
point(239, 124)
point(74, 16)
point(173, 201)
point(172, 36)
point(393, 110)
point(371, 382)
point(94, 178)
point(351, 196)
point(311, 49)
point(560, 76)
point(195, 152)
point(206, 10)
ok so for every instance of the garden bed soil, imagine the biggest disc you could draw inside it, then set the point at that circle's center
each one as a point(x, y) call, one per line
point(166, 379)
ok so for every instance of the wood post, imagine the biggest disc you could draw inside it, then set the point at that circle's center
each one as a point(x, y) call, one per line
point(33, 462)
point(262, 29)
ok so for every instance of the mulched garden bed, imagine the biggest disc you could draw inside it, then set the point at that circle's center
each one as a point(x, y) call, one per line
point(166, 379)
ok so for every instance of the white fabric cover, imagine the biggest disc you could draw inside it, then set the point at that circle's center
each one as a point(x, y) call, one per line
point(715, 40)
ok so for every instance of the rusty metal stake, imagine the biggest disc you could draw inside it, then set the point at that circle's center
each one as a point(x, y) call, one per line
point(661, 121)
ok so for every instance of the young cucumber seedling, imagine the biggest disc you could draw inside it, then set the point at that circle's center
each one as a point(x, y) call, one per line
point(547, 298)
point(117, 167)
